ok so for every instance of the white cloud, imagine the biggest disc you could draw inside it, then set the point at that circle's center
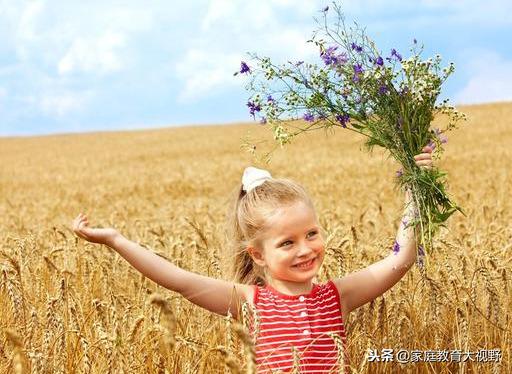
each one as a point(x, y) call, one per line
point(93, 54)
point(244, 26)
point(28, 19)
point(60, 104)
point(489, 79)
point(244, 15)
point(3, 95)
point(203, 72)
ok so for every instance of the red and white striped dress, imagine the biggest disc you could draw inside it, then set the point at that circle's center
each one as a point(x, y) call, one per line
point(301, 321)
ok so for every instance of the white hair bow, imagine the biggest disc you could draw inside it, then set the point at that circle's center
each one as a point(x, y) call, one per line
point(253, 177)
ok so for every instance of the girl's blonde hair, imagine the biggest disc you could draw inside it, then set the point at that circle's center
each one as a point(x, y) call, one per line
point(248, 218)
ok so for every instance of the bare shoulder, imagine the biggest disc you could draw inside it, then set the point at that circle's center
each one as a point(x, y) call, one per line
point(339, 283)
point(246, 292)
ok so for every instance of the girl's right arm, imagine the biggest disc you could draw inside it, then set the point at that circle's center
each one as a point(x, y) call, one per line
point(215, 295)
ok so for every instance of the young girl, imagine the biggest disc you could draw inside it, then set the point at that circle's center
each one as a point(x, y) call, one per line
point(279, 250)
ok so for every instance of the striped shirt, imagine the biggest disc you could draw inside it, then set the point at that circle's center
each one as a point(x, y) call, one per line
point(304, 322)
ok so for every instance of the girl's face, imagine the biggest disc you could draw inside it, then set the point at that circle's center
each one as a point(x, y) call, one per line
point(293, 245)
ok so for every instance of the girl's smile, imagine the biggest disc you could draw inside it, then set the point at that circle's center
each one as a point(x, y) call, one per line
point(306, 265)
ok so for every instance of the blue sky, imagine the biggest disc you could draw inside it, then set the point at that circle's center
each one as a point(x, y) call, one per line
point(78, 66)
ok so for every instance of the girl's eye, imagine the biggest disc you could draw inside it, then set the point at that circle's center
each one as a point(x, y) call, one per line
point(314, 232)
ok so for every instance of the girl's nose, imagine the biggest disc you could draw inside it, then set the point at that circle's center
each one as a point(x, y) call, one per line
point(304, 250)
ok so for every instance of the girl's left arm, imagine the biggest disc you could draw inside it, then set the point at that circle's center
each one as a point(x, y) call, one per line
point(359, 288)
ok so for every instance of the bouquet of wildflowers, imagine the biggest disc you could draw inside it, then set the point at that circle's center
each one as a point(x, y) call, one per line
point(389, 99)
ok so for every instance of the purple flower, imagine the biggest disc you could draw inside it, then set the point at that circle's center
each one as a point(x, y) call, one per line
point(263, 120)
point(356, 47)
point(399, 173)
point(270, 99)
point(253, 108)
point(325, 9)
point(396, 248)
point(383, 89)
point(331, 59)
point(358, 70)
point(421, 257)
point(343, 119)
point(420, 261)
point(396, 55)
point(308, 116)
point(379, 61)
point(328, 55)
point(244, 68)
point(421, 250)
point(432, 145)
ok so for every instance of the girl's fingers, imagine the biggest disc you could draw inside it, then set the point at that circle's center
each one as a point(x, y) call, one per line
point(427, 149)
point(424, 163)
point(423, 156)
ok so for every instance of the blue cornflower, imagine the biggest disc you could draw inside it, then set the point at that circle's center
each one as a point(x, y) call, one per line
point(253, 108)
point(383, 89)
point(356, 47)
point(309, 117)
point(395, 54)
point(343, 119)
point(244, 68)
point(396, 248)
point(379, 61)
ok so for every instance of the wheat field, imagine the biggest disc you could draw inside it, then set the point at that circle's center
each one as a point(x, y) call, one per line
point(68, 306)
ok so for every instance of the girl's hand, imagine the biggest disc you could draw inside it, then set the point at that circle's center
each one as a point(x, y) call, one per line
point(424, 160)
point(96, 235)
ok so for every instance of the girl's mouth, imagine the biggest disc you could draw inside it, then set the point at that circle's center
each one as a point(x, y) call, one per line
point(306, 265)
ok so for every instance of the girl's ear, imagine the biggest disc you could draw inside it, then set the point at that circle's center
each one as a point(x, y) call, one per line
point(256, 255)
